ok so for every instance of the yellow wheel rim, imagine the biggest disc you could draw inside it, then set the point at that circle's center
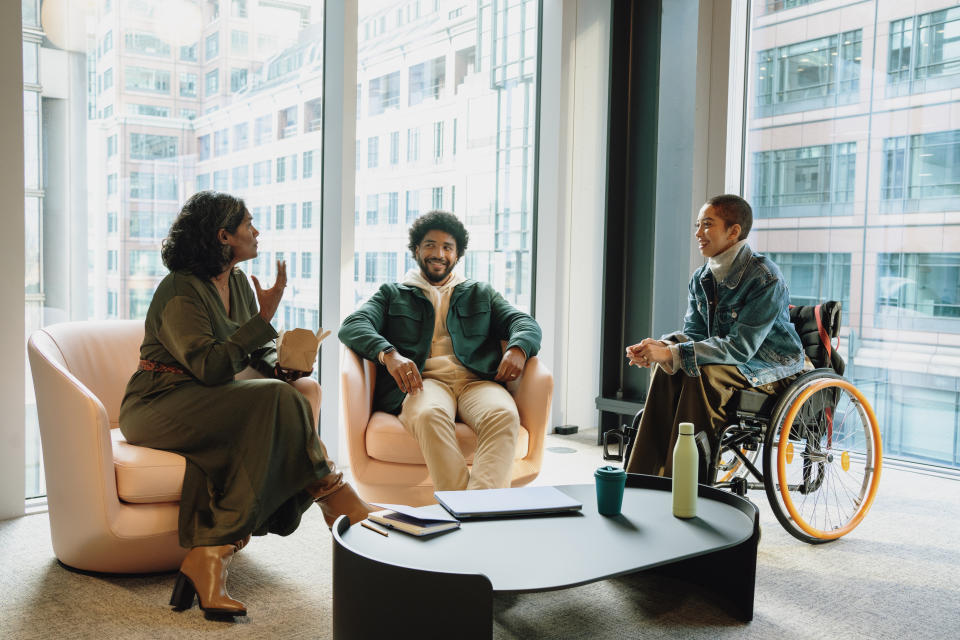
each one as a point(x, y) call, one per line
point(782, 461)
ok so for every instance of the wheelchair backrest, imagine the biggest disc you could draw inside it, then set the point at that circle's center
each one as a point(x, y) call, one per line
point(818, 327)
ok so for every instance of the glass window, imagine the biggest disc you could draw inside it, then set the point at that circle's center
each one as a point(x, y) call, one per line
point(188, 114)
point(146, 44)
point(312, 115)
point(241, 178)
point(426, 80)
point(221, 142)
point(413, 207)
point(212, 83)
point(373, 147)
point(395, 148)
point(203, 181)
point(306, 215)
point(147, 185)
point(373, 209)
point(212, 46)
point(188, 85)
point(108, 79)
point(287, 122)
point(262, 130)
point(393, 207)
point(238, 8)
point(384, 93)
point(151, 110)
point(437, 141)
point(203, 147)
point(240, 136)
point(112, 145)
point(146, 262)
point(239, 42)
point(809, 74)
point(816, 180)
point(915, 290)
point(144, 146)
point(308, 164)
point(924, 52)
point(146, 79)
point(280, 219)
point(220, 180)
point(140, 302)
point(923, 167)
point(413, 144)
point(188, 53)
point(261, 173)
point(238, 80)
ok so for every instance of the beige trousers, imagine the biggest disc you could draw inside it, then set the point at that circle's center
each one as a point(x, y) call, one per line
point(487, 408)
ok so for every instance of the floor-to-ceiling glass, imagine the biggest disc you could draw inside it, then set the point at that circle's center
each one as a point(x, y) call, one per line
point(852, 161)
point(133, 105)
point(446, 119)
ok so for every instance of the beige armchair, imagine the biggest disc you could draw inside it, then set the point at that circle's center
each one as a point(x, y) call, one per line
point(385, 460)
point(113, 506)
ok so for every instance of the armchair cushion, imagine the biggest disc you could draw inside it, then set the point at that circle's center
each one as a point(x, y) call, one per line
point(146, 475)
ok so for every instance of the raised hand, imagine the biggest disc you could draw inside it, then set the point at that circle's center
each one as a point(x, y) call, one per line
point(269, 299)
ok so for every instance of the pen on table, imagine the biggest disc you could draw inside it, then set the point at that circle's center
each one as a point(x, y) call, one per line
point(364, 523)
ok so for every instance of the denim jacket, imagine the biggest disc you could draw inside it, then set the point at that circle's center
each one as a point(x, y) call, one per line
point(751, 326)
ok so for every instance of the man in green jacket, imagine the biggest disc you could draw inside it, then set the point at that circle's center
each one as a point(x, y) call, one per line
point(437, 337)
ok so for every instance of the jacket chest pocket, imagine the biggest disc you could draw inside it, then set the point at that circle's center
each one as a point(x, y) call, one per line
point(726, 317)
point(404, 321)
point(475, 319)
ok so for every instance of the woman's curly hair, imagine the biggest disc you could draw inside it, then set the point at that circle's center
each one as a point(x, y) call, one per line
point(438, 221)
point(192, 244)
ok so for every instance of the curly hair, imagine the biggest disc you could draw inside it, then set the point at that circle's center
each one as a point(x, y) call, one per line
point(192, 244)
point(437, 220)
point(733, 210)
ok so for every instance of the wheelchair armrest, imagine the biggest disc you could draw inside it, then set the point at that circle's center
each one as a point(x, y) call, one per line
point(755, 403)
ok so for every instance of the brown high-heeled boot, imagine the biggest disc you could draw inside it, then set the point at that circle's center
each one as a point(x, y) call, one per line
point(204, 573)
point(336, 498)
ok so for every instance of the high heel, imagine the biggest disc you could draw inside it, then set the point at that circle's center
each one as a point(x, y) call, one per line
point(336, 497)
point(203, 574)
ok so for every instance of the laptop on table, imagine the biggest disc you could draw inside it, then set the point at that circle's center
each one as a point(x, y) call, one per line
point(515, 501)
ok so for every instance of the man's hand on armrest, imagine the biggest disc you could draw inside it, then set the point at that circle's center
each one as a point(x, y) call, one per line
point(511, 364)
point(404, 371)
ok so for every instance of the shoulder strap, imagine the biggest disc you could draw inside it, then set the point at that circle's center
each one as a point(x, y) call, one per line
point(824, 336)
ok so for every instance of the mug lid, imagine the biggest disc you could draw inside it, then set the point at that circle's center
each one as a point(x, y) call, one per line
point(609, 471)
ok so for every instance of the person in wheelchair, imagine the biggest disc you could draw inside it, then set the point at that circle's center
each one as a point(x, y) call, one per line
point(736, 335)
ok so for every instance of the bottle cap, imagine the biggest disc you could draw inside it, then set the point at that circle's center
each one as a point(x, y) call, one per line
point(686, 428)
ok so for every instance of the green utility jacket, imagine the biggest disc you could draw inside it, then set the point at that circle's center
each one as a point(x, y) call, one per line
point(401, 315)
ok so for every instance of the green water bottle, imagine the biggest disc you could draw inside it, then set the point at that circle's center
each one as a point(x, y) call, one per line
point(685, 465)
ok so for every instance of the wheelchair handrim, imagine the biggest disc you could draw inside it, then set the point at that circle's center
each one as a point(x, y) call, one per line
point(813, 387)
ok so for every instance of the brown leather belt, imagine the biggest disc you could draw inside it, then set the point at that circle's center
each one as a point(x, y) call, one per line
point(150, 365)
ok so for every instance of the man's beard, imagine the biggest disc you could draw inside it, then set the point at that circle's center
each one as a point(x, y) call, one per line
point(435, 278)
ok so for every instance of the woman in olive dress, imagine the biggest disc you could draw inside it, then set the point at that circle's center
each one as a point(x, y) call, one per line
point(254, 460)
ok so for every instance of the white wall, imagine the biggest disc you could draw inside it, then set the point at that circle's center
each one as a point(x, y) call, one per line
point(572, 201)
point(12, 365)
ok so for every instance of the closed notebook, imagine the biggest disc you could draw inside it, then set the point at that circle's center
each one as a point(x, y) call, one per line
point(516, 501)
point(422, 521)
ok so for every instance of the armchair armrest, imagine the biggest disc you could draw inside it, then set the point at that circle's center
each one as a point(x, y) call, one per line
point(534, 395)
point(357, 379)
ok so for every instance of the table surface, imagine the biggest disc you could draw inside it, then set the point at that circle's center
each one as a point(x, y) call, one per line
point(539, 553)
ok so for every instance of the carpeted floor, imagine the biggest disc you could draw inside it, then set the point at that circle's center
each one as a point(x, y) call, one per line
point(895, 576)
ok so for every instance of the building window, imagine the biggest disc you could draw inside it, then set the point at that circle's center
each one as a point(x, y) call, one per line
point(212, 83)
point(373, 147)
point(308, 164)
point(111, 184)
point(287, 122)
point(395, 148)
point(413, 144)
point(107, 79)
point(238, 80)
point(188, 53)
point(262, 130)
point(111, 145)
point(413, 206)
point(281, 169)
point(426, 80)
point(241, 136)
point(112, 304)
point(241, 177)
point(112, 260)
point(306, 264)
point(107, 41)
point(150, 110)
point(221, 142)
point(384, 93)
point(145, 262)
point(188, 85)
point(203, 147)
point(203, 181)
point(815, 277)
point(280, 217)
point(919, 291)
point(240, 42)
point(373, 209)
point(238, 8)
point(212, 46)
point(393, 208)
point(437, 141)
point(923, 167)
point(146, 44)
point(804, 181)
point(807, 75)
point(220, 180)
point(381, 266)
point(146, 79)
point(436, 201)
point(145, 146)
point(306, 215)
point(292, 266)
point(924, 52)
point(188, 114)
point(313, 115)
point(292, 215)
point(149, 186)
point(112, 225)
point(140, 302)
point(261, 173)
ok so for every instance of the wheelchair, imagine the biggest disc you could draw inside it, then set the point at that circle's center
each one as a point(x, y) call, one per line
point(818, 442)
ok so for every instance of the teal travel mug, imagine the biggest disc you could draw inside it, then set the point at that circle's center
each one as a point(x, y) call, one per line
point(610, 484)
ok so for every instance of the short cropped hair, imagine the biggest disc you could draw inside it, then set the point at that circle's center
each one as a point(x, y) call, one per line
point(733, 210)
point(192, 243)
point(437, 220)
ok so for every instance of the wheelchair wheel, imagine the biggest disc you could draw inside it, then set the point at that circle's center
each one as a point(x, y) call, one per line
point(822, 458)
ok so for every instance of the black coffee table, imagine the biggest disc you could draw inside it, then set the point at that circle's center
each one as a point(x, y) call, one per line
point(443, 586)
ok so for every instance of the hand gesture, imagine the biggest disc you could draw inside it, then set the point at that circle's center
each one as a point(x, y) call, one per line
point(404, 372)
point(269, 299)
point(511, 365)
point(648, 352)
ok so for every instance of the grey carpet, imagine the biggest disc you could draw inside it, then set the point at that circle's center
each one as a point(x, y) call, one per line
point(895, 576)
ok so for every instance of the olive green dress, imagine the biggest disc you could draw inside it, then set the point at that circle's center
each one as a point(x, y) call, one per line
point(251, 446)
